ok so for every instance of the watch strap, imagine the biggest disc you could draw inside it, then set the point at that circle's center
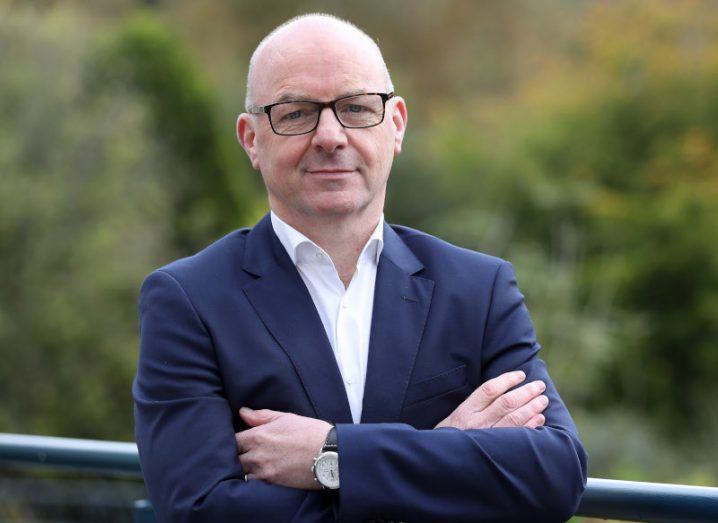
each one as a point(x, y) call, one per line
point(331, 443)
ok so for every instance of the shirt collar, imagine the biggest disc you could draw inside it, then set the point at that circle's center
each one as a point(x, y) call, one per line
point(293, 240)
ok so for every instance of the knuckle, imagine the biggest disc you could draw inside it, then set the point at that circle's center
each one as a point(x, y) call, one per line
point(508, 402)
point(259, 436)
point(489, 389)
point(514, 419)
point(248, 443)
point(270, 473)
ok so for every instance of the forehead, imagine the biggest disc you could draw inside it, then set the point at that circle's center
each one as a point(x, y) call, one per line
point(316, 60)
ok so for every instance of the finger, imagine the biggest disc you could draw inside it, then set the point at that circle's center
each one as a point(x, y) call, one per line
point(537, 421)
point(484, 395)
point(247, 462)
point(513, 400)
point(254, 418)
point(522, 415)
point(242, 439)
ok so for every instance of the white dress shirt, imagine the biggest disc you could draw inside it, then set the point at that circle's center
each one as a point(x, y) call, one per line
point(345, 312)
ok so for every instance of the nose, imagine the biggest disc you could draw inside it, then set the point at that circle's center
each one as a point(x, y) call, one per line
point(329, 134)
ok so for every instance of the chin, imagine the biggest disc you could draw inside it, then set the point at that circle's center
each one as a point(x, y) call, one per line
point(334, 210)
point(335, 205)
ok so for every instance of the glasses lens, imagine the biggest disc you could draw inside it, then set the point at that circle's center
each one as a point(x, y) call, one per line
point(363, 110)
point(294, 117)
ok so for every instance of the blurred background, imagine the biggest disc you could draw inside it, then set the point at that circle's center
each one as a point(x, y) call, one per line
point(576, 138)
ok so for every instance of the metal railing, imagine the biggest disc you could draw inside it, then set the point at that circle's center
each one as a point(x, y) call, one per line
point(603, 498)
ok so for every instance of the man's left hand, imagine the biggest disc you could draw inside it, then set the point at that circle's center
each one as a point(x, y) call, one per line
point(280, 448)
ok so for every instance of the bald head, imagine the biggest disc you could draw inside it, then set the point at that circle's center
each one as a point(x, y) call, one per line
point(307, 34)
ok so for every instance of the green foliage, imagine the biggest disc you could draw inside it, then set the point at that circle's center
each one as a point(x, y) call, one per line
point(603, 196)
point(100, 184)
point(638, 170)
point(210, 198)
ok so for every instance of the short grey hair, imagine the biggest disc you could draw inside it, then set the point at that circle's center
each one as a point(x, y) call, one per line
point(248, 101)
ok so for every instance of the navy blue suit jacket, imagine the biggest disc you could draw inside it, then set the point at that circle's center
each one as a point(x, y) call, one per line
point(235, 325)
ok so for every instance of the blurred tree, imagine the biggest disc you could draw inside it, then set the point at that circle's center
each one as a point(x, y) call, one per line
point(601, 185)
point(634, 175)
point(210, 197)
point(99, 185)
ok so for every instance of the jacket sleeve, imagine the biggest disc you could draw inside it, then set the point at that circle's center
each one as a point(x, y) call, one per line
point(183, 424)
point(394, 472)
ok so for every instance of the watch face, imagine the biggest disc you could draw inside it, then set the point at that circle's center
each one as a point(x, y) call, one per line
point(326, 469)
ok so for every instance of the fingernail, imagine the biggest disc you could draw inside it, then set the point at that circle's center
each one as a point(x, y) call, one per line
point(245, 410)
point(544, 400)
point(540, 384)
point(521, 375)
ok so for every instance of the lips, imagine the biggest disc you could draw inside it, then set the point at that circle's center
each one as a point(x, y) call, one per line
point(332, 170)
point(331, 173)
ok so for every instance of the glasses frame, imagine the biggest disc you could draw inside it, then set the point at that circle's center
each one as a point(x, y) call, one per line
point(385, 97)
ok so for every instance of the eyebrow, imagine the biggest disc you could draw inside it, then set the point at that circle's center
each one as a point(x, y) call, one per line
point(294, 97)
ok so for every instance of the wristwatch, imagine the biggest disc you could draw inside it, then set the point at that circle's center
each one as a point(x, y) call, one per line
point(326, 464)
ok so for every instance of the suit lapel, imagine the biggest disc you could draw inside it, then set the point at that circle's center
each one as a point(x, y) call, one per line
point(284, 305)
point(401, 307)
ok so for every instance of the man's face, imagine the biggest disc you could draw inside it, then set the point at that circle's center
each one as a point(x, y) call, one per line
point(332, 171)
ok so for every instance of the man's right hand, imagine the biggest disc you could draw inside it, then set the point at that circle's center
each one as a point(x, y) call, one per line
point(490, 405)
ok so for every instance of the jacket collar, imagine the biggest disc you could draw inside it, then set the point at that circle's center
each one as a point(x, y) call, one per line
point(401, 304)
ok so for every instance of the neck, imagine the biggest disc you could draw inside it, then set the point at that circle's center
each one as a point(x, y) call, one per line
point(342, 237)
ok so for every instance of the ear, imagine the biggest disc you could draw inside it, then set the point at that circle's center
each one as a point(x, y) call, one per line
point(399, 118)
point(246, 137)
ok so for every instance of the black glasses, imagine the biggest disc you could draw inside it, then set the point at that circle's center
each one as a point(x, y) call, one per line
point(302, 116)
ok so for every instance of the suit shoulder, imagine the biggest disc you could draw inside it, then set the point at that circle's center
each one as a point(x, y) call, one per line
point(216, 258)
point(429, 248)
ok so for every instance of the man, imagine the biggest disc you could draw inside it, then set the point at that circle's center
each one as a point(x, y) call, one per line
point(369, 372)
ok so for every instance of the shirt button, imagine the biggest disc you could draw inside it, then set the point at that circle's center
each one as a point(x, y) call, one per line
point(318, 255)
point(349, 381)
point(345, 305)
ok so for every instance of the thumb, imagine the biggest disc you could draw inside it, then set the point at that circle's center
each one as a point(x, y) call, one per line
point(254, 418)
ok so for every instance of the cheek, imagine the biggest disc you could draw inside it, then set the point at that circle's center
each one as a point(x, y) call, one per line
point(276, 155)
point(377, 150)
point(383, 154)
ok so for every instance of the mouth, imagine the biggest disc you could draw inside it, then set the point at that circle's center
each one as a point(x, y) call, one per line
point(334, 171)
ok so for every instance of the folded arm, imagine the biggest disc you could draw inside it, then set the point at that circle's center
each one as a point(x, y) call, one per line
point(279, 447)
point(498, 457)
point(184, 424)
point(492, 474)
point(388, 471)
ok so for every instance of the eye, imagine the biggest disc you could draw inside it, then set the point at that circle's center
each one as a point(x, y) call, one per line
point(354, 109)
point(294, 115)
